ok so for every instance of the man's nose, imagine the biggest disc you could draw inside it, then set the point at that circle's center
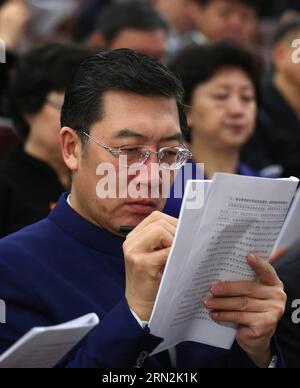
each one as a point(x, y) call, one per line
point(236, 22)
point(153, 168)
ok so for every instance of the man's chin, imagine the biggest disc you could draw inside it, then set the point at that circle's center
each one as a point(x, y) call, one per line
point(136, 219)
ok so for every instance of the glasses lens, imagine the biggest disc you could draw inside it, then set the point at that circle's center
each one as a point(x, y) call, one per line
point(173, 157)
point(133, 156)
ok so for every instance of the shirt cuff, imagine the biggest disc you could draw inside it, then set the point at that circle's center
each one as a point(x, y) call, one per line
point(143, 324)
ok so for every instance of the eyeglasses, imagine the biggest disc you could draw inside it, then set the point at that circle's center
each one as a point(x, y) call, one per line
point(170, 158)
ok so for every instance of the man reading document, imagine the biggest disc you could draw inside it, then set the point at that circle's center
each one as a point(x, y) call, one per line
point(124, 111)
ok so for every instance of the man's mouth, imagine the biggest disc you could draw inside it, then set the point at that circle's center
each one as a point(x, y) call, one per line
point(142, 206)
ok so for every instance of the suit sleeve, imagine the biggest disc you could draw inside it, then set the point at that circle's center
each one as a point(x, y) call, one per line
point(288, 331)
point(117, 342)
point(5, 198)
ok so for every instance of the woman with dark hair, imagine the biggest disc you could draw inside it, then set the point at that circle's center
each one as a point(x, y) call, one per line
point(221, 93)
point(33, 175)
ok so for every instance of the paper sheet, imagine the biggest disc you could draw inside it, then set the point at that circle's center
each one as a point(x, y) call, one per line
point(44, 347)
point(241, 215)
point(290, 233)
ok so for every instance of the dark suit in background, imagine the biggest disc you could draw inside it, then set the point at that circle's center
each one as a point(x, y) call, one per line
point(289, 328)
point(29, 188)
point(277, 139)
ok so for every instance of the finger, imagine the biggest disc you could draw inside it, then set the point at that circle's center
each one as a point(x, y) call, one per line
point(248, 288)
point(238, 317)
point(143, 233)
point(154, 217)
point(244, 304)
point(264, 270)
point(157, 262)
point(153, 238)
point(278, 254)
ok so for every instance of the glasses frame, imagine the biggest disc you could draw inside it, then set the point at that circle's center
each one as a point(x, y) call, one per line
point(117, 152)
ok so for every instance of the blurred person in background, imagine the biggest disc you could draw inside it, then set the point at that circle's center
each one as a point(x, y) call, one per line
point(217, 20)
point(221, 85)
point(277, 140)
point(86, 20)
point(14, 15)
point(34, 175)
point(134, 25)
point(178, 15)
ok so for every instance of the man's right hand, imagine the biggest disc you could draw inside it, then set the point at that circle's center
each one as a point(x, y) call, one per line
point(146, 251)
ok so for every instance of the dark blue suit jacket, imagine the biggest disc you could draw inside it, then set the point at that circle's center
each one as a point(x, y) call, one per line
point(64, 267)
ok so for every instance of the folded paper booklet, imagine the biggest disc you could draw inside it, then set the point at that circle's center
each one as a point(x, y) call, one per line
point(44, 347)
point(235, 216)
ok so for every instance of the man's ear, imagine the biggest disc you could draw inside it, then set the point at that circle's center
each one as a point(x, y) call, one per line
point(97, 40)
point(71, 148)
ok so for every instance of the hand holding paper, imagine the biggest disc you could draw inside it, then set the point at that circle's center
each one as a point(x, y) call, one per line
point(255, 306)
point(241, 215)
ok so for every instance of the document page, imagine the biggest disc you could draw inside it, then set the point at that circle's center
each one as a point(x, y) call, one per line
point(240, 215)
point(290, 233)
point(44, 347)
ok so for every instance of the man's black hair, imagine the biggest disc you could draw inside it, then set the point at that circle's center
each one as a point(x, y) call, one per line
point(197, 64)
point(130, 14)
point(118, 70)
point(287, 29)
point(39, 72)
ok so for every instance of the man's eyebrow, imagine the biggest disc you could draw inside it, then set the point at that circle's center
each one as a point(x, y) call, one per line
point(176, 137)
point(129, 133)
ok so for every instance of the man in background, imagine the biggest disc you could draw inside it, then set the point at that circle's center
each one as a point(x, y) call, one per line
point(277, 140)
point(234, 20)
point(134, 25)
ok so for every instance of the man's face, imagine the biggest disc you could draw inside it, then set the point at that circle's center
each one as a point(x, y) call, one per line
point(150, 42)
point(177, 13)
point(227, 19)
point(129, 120)
point(223, 110)
point(284, 59)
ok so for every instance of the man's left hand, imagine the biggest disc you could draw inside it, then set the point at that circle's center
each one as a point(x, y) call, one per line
point(255, 306)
